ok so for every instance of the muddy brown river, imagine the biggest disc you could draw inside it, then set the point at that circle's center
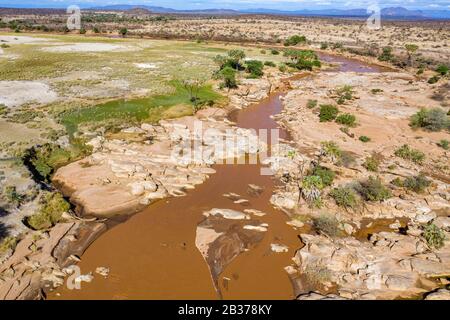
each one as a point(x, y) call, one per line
point(153, 254)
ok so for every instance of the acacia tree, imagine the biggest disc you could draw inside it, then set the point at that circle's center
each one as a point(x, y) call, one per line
point(411, 49)
point(193, 87)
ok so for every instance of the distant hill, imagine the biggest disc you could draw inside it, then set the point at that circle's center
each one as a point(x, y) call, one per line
point(156, 9)
point(387, 13)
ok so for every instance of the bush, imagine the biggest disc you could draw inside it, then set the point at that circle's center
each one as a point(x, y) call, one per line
point(12, 196)
point(275, 52)
point(311, 188)
point(303, 59)
point(228, 76)
point(434, 79)
point(3, 109)
point(405, 152)
point(53, 205)
point(44, 160)
point(324, 46)
point(434, 119)
point(331, 149)
point(325, 174)
point(328, 112)
point(386, 54)
point(442, 69)
point(417, 184)
point(434, 236)
point(364, 139)
point(346, 119)
point(282, 68)
point(345, 197)
point(327, 224)
point(123, 32)
point(311, 104)
point(344, 93)
point(8, 243)
point(255, 68)
point(373, 162)
point(373, 190)
point(294, 40)
point(444, 144)
point(270, 64)
point(316, 275)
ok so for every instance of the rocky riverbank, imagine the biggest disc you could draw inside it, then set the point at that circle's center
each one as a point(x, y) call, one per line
point(398, 260)
point(126, 172)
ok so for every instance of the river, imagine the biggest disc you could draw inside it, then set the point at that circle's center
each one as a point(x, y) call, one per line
point(153, 254)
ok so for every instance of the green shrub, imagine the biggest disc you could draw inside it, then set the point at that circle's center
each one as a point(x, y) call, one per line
point(345, 197)
point(364, 139)
point(372, 163)
point(311, 188)
point(344, 93)
point(417, 184)
point(12, 196)
point(274, 52)
point(303, 59)
point(270, 64)
point(407, 153)
point(325, 174)
point(255, 68)
point(444, 144)
point(434, 119)
point(397, 182)
point(294, 40)
point(228, 75)
point(373, 190)
point(442, 69)
point(434, 236)
point(53, 205)
point(386, 54)
point(327, 224)
point(331, 149)
point(44, 160)
point(263, 51)
point(311, 104)
point(3, 109)
point(123, 32)
point(282, 68)
point(8, 243)
point(434, 79)
point(346, 119)
point(324, 46)
point(328, 112)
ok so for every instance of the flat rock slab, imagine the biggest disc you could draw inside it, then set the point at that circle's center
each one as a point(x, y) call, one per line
point(220, 240)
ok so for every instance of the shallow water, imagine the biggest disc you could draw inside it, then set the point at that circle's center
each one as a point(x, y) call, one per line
point(153, 255)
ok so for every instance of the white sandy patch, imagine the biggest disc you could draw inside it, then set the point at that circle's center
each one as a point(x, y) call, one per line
point(22, 39)
point(16, 93)
point(146, 65)
point(89, 47)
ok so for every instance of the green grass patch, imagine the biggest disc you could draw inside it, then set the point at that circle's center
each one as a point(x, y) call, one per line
point(137, 109)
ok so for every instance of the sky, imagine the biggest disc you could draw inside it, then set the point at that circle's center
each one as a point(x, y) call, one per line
point(237, 4)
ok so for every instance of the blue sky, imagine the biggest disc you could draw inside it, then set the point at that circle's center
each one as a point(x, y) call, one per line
point(237, 4)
